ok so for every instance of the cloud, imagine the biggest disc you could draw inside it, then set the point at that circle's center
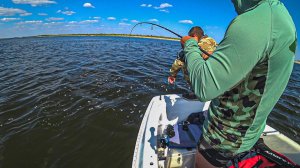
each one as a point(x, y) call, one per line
point(97, 17)
point(124, 19)
point(89, 21)
point(207, 27)
point(9, 19)
point(164, 10)
point(54, 19)
point(70, 25)
point(53, 23)
point(69, 13)
point(111, 18)
point(164, 5)
point(42, 14)
point(30, 22)
point(124, 24)
point(11, 11)
point(215, 31)
point(146, 5)
point(78, 23)
point(34, 2)
point(73, 22)
point(153, 20)
point(134, 21)
point(88, 5)
point(186, 21)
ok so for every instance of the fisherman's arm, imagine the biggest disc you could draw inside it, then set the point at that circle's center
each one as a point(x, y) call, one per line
point(234, 58)
point(177, 65)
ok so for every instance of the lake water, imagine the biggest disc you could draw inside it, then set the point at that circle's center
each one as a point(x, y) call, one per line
point(79, 101)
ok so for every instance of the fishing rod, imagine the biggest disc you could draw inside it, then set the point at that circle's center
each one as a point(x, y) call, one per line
point(153, 24)
point(176, 34)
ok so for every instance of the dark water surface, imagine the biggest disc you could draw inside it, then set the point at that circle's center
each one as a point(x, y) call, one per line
point(79, 101)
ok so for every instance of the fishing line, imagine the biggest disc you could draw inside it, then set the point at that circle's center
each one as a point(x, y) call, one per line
point(164, 82)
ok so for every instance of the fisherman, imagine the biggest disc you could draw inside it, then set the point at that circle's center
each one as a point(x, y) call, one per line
point(206, 43)
point(244, 78)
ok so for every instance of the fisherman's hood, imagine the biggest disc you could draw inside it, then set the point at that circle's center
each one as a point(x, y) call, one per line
point(242, 6)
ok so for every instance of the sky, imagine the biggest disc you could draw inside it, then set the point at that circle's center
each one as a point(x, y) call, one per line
point(19, 18)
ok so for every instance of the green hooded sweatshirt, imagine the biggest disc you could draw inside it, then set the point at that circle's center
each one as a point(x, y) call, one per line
point(246, 75)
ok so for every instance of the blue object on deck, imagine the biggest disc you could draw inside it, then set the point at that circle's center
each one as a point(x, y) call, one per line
point(185, 139)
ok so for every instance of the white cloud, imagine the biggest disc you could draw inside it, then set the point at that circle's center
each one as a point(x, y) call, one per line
point(34, 2)
point(153, 20)
point(42, 14)
point(214, 31)
point(11, 11)
point(54, 19)
point(89, 21)
point(211, 27)
point(26, 14)
point(134, 21)
point(30, 22)
point(53, 23)
point(146, 5)
point(9, 19)
point(76, 23)
point(186, 21)
point(88, 5)
point(124, 24)
point(97, 17)
point(73, 22)
point(33, 21)
point(164, 5)
point(71, 25)
point(124, 19)
point(164, 10)
point(111, 18)
point(69, 13)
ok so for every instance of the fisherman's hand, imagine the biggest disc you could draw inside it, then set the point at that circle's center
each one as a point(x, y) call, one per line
point(171, 80)
point(186, 38)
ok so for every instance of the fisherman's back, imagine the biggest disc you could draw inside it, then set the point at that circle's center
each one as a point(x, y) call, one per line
point(238, 117)
point(246, 75)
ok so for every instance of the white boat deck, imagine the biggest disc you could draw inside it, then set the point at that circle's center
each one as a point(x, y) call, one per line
point(170, 109)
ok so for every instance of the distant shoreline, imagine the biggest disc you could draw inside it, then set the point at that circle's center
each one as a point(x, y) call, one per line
point(111, 35)
point(297, 61)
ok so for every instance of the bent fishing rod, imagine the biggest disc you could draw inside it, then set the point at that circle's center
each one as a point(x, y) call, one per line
point(176, 34)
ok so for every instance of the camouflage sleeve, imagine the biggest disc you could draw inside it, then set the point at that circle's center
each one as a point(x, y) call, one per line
point(209, 45)
point(177, 65)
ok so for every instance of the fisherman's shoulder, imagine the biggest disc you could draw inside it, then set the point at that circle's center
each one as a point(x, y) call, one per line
point(208, 40)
